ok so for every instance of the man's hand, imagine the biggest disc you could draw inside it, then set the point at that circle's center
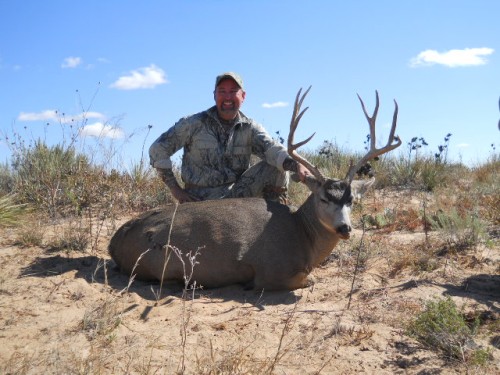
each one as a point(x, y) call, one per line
point(177, 192)
point(302, 172)
point(182, 195)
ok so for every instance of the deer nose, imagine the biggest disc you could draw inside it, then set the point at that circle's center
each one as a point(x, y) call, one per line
point(344, 229)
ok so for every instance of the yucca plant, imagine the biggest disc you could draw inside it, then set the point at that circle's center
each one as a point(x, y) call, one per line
point(11, 213)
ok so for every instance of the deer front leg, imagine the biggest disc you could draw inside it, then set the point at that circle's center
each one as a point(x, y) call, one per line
point(298, 281)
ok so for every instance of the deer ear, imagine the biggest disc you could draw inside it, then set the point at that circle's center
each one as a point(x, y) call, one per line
point(359, 187)
point(312, 183)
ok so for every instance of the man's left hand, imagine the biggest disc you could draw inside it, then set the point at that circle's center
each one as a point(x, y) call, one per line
point(302, 172)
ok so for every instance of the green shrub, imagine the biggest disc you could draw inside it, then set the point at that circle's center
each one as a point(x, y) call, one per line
point(441, 326)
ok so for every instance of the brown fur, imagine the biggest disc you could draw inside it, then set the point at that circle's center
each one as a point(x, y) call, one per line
point(250, 241)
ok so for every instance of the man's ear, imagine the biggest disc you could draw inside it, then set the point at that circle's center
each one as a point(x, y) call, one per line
point(359, 187)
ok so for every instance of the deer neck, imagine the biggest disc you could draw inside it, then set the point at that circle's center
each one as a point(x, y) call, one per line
point(322, 240)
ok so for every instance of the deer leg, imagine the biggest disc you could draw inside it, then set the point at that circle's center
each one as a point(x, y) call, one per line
point(301, 280)
point(298, 281)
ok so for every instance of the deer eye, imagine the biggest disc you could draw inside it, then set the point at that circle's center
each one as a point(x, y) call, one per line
point(326, 201)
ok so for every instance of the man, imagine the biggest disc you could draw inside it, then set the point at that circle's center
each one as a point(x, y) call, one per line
point(218, 144)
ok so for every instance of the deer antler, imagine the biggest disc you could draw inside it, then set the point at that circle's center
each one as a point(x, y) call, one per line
point(296, 116)
point(374, 152)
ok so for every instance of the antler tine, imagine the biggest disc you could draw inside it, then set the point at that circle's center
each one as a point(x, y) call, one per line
point(371, 120)
point(374, 152)
point(292, 148)
point(296, 116)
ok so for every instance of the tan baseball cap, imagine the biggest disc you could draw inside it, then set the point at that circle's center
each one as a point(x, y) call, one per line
point(234, 76)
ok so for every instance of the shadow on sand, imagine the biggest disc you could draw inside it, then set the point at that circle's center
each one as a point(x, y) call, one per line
point(483, 288)
point(97, 270)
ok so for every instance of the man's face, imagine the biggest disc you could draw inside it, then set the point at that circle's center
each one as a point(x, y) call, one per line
point(228, 99)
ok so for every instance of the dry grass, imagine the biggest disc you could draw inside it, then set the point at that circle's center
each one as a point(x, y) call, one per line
point(67, 311)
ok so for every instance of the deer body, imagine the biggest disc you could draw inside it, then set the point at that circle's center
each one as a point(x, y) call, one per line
point(249, 241)
point(261, 244)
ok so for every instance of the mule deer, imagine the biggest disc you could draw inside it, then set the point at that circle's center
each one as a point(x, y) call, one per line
point(250, 241)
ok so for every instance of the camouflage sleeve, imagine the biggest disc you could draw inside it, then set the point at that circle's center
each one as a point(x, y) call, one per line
point(267, 148)
point(168, 177)
point(169, 143)
point(290, 165)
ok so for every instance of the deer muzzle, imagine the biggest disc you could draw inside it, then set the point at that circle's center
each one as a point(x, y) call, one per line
point(344, 231)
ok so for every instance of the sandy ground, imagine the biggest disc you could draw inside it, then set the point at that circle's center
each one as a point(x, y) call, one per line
point(73, 313)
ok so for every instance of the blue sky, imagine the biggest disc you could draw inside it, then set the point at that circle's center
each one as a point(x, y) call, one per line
point(115, 67)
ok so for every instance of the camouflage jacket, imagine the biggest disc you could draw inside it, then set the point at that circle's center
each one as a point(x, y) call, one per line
point(213, 156)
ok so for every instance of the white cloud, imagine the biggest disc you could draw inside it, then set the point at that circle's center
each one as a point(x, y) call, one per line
point(53, 115)
point(49, 114)
point(71, 62)
point(463, 145)
point(142, 78)
point(275, 105)
point(452, 58)
point(101, 130)
point(83, 116)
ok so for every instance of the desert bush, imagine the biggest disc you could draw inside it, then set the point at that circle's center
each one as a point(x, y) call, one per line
point(422, 174)
point(488, 172)
point(332, 159)
point(144, 190)
point(6, 179)
point(442, 327)
point(486, 191)
point(419, 169)
point(70, 239)
point(41, 174)
point(395, 219)
point(31, 234)
point(460, 231)
point(60, 182)
point(419, 260)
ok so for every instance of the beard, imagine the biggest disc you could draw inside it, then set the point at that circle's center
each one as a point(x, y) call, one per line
point(227, 112)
